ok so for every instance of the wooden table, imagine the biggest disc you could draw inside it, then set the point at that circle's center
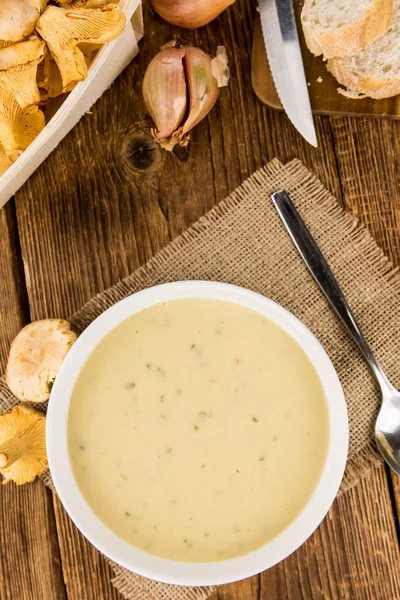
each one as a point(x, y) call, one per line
point(104, 202)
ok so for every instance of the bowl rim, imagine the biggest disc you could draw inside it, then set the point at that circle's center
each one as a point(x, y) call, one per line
point(183, 573)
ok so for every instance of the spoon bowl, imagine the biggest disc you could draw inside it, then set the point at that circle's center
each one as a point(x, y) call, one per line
point(387, 428)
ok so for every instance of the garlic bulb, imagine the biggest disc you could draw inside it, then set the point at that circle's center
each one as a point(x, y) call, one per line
point(179, 89)
point(192, 14)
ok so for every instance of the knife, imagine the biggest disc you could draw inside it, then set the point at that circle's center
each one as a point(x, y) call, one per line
point(281, 40)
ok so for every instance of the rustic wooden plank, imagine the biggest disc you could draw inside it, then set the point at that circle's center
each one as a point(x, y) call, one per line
point(29, 555)
point(13, 304)
point(367, 153)
point(108, 198)
point(127, 198)
point(30, 565)
point(395, 484)
point(368, 161)
point(359, 524)
point(94, 571)
point(247, 589)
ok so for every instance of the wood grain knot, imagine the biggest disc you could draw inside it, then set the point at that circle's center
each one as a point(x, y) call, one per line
point(143, 153)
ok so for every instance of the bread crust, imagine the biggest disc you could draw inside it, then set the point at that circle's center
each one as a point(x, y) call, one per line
point(364, 84)
point(350, 40)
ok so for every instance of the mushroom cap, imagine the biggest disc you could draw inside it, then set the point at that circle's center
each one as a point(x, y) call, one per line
point(18, 18)
point(64, 29)
point(35, 358)
point(18, 69)
point(22, 53)
point(22, 445)
point(18, 126)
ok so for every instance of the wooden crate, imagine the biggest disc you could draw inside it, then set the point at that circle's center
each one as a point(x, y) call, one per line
point(108, 64)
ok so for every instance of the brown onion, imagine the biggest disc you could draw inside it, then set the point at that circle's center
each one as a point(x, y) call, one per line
point(190, 13)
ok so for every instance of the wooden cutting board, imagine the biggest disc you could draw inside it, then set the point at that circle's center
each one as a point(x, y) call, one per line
point(322, 86)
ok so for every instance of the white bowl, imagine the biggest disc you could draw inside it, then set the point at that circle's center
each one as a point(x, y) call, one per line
point(195, 573)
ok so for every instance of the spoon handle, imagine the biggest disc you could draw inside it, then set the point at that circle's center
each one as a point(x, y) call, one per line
point(320, 270)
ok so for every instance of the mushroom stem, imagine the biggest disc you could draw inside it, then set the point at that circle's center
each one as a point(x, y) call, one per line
point(10, 451)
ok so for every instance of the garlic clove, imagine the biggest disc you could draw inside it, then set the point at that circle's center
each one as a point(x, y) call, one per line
point(202, 86)
point(164, 91)
point(195, 13)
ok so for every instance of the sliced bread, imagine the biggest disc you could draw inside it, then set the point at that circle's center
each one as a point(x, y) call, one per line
point(337, 28)
point(376, 71)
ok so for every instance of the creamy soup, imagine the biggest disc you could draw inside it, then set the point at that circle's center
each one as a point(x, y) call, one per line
point(198, 429)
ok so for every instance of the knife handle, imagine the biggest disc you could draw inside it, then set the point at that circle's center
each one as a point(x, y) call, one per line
point(320, 270)
point(287, 20)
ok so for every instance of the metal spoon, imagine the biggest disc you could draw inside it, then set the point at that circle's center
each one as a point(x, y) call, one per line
point(387, 427)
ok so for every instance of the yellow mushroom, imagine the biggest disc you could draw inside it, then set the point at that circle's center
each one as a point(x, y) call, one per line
point(18, 69)
point(18, 126)
point(42, 78)
point(84, 3)
point(18, 18)
point(49, 79)
point(55, 85)
point(89, 51)
point(95, 3)
point(35, 358)
point(64, 29)
point(22, 445)
point(5, 162)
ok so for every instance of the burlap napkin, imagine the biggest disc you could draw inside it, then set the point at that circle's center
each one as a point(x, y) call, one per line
point(242, 241)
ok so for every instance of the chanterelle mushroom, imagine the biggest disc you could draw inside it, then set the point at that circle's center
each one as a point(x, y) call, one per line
point(18, 126)
point(64, 28)
point(22, 445)
point(42, 78)
point(35, 358)
point(18, 18)
point(85, 3)
point(18, 68)
point(5, 162)
point(49, 78)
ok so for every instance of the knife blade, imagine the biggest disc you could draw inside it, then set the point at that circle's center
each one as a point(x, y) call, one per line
point(281, 40)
